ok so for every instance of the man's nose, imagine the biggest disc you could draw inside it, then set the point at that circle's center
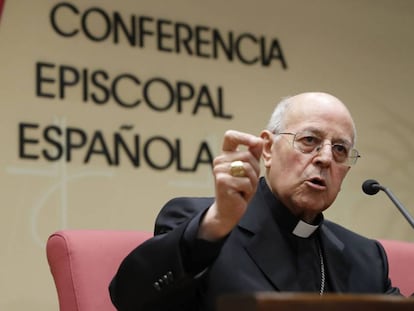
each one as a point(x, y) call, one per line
point(324, 153)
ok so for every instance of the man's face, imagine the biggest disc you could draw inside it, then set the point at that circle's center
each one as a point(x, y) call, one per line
point(308, 183)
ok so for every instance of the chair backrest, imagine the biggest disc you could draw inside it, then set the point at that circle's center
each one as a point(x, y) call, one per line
point(83, 262)
point(401, 264)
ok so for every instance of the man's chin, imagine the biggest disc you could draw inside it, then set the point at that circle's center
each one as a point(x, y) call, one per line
point(311, 209)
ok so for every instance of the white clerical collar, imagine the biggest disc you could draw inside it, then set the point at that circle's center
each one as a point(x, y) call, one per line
point(304, 230)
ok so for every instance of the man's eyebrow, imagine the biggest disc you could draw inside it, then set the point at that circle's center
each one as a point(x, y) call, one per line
point(312, 130)
point(343, 141)
point(319, 132)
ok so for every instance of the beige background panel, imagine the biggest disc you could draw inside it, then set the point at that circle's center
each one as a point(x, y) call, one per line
point(360, 51)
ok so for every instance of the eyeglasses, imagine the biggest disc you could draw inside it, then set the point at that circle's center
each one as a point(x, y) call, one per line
point(310, 143)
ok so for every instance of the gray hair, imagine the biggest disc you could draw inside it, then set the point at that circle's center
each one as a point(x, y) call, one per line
point(276, 123)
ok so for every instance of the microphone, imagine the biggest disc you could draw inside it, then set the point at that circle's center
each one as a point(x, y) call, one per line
point(371, 187)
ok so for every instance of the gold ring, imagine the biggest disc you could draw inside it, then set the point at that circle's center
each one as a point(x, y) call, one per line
point(237, 169)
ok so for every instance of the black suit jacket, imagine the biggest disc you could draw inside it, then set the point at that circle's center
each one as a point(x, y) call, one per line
point(254, 257)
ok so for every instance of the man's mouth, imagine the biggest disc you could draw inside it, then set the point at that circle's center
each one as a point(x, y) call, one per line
point(317, 181)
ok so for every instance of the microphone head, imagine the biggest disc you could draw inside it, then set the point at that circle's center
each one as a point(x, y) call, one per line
point(370, 186)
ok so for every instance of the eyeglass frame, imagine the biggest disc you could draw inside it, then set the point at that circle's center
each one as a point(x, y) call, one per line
point(349, 161)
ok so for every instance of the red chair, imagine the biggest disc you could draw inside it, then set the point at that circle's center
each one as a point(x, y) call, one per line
point(83, 262)
point(401, 264)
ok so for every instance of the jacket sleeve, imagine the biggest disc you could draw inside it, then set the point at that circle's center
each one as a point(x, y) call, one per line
point(389, 289)
point(156, 274)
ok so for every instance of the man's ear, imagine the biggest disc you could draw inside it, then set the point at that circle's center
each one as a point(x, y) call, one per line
point(267, 137)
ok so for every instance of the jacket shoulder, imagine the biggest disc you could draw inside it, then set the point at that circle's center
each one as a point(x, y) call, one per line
point(354, 242)
point(178, 210)
point(347, 235)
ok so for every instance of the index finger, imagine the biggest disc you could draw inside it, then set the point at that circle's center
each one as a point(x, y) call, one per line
point(233, 139)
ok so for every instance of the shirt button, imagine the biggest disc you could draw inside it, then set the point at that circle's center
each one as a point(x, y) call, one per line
point(157, 286)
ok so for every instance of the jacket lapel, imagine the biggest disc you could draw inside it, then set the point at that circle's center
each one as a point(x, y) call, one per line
point(337, 265)
point(267, 248)
point(275, 259)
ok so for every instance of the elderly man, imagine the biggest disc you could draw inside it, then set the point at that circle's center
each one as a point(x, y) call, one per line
point(260, 233)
